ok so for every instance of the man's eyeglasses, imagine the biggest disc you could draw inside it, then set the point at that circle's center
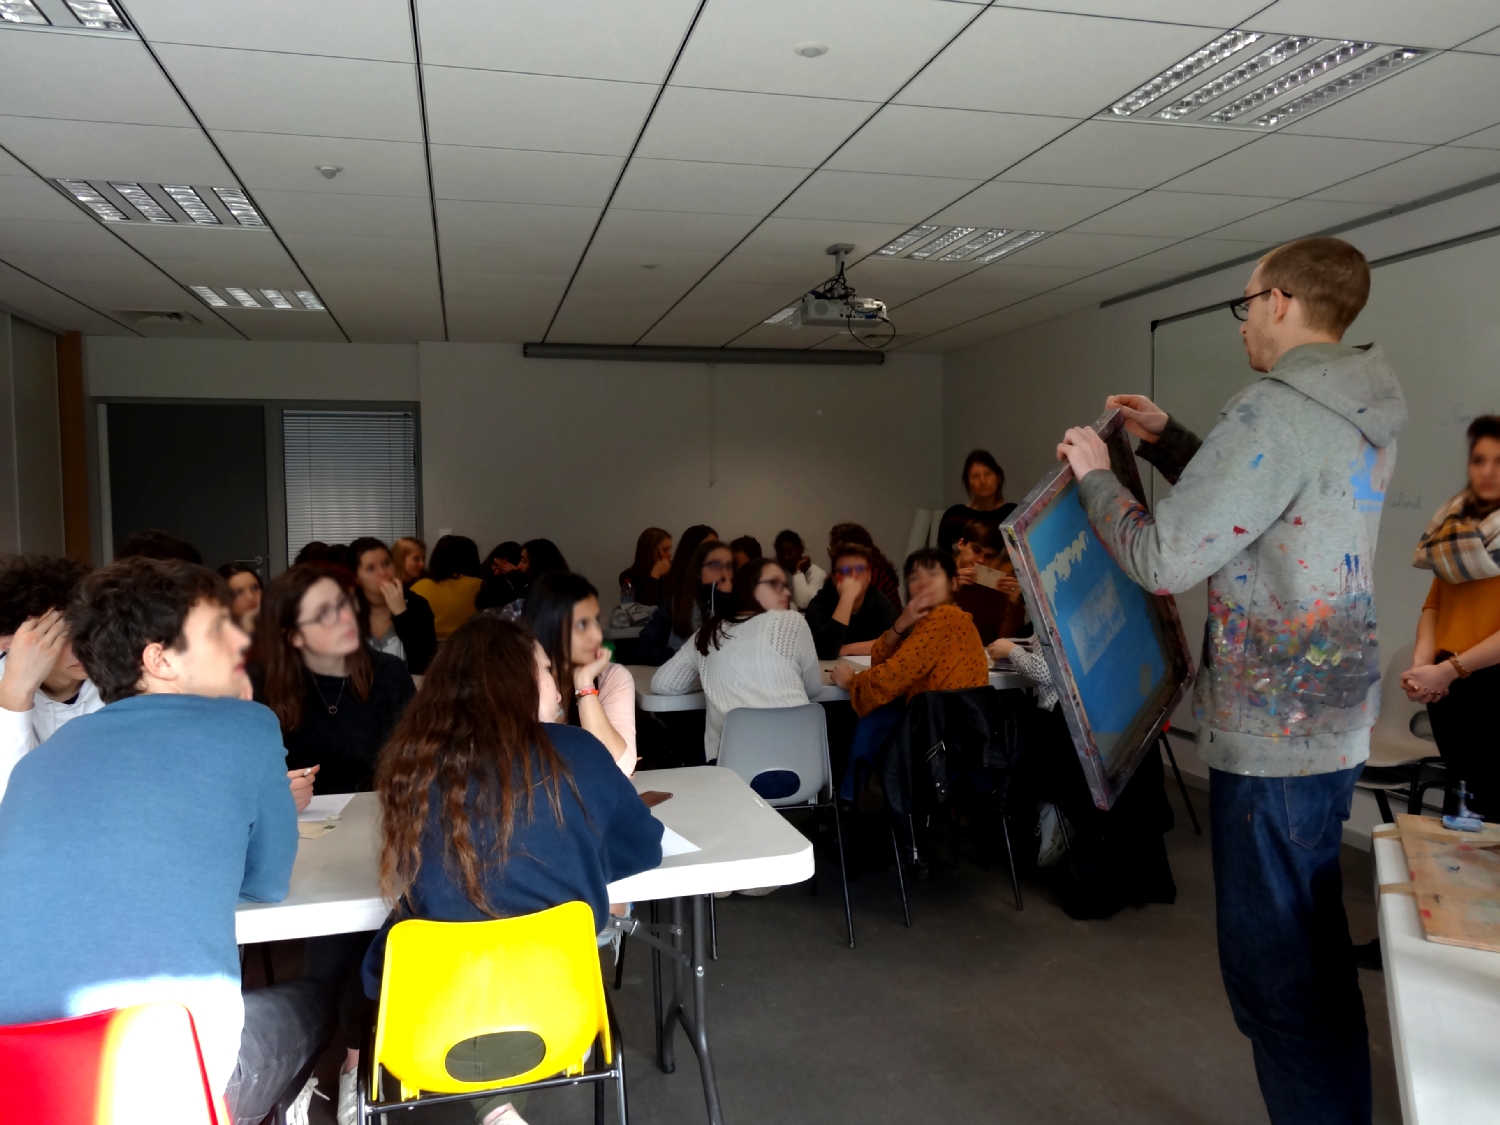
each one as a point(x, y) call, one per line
point(1241, 308)
point(329, 615)
point(777, 584)
point(851, 571)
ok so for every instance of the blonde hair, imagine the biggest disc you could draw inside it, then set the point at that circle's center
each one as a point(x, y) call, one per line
point(1330, 278)
point(403, 547)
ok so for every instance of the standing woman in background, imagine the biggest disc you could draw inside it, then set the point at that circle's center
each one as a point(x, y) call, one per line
point(1455, 669)
point(244, 584)
point(653, 561)
point(452, 582)
point(410, 556)
point(395, 621)
point(984, 480)
point(708, 575)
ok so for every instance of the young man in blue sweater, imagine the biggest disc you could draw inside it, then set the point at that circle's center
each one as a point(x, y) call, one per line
point(125, 847)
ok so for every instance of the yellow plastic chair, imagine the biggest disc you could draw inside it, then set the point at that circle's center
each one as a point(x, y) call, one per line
point(473, 1009)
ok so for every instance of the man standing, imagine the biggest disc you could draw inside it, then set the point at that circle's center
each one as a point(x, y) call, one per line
point(1279, 509)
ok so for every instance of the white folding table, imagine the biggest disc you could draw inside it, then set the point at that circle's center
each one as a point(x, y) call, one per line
point(742, 842)
point(1445, 1011)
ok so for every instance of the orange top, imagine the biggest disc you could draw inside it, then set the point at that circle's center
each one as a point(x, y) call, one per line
point(942, 653)
point(1467, 612)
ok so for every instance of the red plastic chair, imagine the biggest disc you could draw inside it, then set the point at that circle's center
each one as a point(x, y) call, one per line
point(119, 1067)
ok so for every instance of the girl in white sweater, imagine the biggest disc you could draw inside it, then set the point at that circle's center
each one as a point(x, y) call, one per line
point(754, 652)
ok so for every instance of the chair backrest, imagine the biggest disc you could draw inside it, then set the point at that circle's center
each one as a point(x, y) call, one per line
point(468, 1006)
point(761, 741)
point(1392, 742)
point(117, 1067)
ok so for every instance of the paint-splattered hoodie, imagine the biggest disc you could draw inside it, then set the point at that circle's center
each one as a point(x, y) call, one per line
point(1278, 508)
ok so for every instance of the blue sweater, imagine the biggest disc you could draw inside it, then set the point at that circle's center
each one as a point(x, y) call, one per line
point(125, 842)
point(610, 836)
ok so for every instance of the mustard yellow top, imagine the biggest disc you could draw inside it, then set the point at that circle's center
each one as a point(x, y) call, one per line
point(943, 653)
point(452, 601)
point(1467, 612)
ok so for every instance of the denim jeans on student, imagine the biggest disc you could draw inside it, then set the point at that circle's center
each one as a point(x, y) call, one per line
point(285, 1025)
point(1284, 946)
point(869, 737)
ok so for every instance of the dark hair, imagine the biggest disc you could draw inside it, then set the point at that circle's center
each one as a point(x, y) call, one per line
point(843, 534)
point(132, 603)
point(980, 533)
point(157, 544)
point(510, 551)
point(1484, 426)
point(453, 556)
point(470, 741)
point(284, 686)
point(542, 557)
point(549, 616)
point(363, 546)
point(230, 569)
point(1330, 278)
point(986, 458)
point(685, 594)
point(741, 605)
point(930, 557)
point(747, 545)
point(646, 545)
point(851, 550)
point(327, 555)
point(688, 542)
point(30, 585)
point(787, 536)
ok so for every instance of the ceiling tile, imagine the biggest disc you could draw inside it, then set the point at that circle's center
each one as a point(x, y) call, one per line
point(475, 264)
point(1426, 173)
point(1099, 251)
point(689, 333)
point(1443, 24)
point(264, 92)
point(271, 325)
point(287, 163)
point(625, 267)
point(872, 197)
point(10, 166)
point(1212, 13)
point(96, 151)
point(1031, 206)
point(780, 336)
point(695, 185)
point(1489, 42)
point(531, 224)
point(376, 286)
point(26, 197)
point(1125, 154)
point(53, 308)
point(227, 254)
point(793, 273)
point(732, 127)
point(1296, 219)
point(479, 322)
point(1485, 138)
point(1008, 275)
point(379, 216)
point(1200, 253)
point(624, 40)
point(540, 112)
point(966, 143)
point(650, 231)
point(504, 293)
point(395, 326)
point(1283, 165)
point(1044, 62)
point(315, 250)
point(893, 275)
point(946, 308)
point(873, 46)
point(1182, 214)
point(85, 78)
point(361, 29)
point(1437, 100)
point(1022, 315)
point(501, 175)
point(32, 236)
point(812, 237)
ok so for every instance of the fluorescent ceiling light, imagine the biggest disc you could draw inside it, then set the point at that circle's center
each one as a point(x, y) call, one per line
point(21, 11)
point(1325, 62)
point(1195, 64)
point(1271, 57)
point(309, 300)
point(243, 297)
point(240, 207)
point(209, 297)
point(783, 316)
point(139, 198)
point(942, 242)
point(1024, 239)
point(907, 240)
point(988, 238)
point(1346, 84)
point(84, 192)
point(276, 299)
point(192, 204)
point(100, 14)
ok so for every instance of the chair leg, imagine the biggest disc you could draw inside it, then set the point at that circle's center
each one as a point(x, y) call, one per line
point(598, 1100)
point(900, 878)
point(1181, 785)
point(713, 930)
point(620, 961)
point(838, 833)
point(265, 962)
point(1385, 806)
point(1015, 883)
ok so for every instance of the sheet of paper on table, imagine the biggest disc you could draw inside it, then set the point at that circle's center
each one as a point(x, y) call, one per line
point(325, 805)
point(857, 661)
point(674, 844)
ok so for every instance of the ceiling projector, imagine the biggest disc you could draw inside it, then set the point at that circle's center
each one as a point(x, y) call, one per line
point(839, 312)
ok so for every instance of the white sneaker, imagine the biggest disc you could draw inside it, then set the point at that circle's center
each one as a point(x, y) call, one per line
point(348, 1111)
point(1055, 832)
point(296, 1113)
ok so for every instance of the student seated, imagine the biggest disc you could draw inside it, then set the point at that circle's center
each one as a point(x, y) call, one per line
point(244, 584)
point(505, 558)
point(394, 620)
point(336, 555)
point(452, 583)
point(755, 651)
point(807, 576)
point(745, 549)
point(933, 646)
point(682, 555)
point(506, 593)
point(42, 683)
point(126, 844)
point(410, 556)
point(642, 581)
point(882, 573)
point(847, 615)
point(998, 611)
point(691, 604)
point(157, 544)
point(562, 612)
point(547, 817)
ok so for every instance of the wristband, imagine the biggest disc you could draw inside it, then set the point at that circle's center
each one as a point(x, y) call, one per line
point(579, 693)
point(1463, 673)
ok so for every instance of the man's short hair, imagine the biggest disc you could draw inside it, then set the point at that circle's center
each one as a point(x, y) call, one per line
point(30, 585)
point(747, 545)
point(985, 536)
point(157, 544)
point(851, 551)
point(1330, 278)
point(132, 603)
point(930, 557)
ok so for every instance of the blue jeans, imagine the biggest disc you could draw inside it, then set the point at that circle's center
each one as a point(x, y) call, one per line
point(869, 737)
point(1284, 946)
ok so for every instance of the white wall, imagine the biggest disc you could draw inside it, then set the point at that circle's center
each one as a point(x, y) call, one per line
point(31, 506)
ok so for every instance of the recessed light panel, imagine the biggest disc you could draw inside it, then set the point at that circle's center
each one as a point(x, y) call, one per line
point(1206, 58)
point(240, 207)
point(1339, 87)
point(1344, 52)
point(21, 11)
point(192, 204)
point(275, 297)
point(243, 296)
point(988, 238)
point(127, 201)
point(209, 297)
point(898, 246)
point(98, 14)
point(139, 198)
point(1010, 246)
point(942, 242)
point(782, 317)
point(309, 300)
point(94, 200)
point(1269, 59)
point(948, 244)
point(259, 298)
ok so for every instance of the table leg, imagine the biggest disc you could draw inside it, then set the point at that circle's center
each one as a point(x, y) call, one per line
point(656, 985)
point(666, 1054)
point(697, 1028)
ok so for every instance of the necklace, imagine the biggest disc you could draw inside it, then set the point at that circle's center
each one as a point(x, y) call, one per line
point(333, 708)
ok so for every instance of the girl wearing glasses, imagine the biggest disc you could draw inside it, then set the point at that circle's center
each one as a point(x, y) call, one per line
point(690, 604)
point(754, 651)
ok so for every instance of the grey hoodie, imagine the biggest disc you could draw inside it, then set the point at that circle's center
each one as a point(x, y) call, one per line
point(1278, 508)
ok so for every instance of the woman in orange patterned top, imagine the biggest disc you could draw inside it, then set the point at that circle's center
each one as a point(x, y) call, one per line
point(933, 646)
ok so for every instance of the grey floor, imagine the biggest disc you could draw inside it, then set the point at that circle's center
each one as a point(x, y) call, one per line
point(976, 1014)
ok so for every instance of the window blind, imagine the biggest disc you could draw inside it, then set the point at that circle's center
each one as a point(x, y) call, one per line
point(348, 473)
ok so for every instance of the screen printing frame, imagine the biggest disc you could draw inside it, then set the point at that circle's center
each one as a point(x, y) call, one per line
point(1150, 720)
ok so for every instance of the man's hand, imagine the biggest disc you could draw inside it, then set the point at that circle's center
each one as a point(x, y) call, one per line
point(394, 595)
point(1084, 450)
point(843, 675)
point(1009, 585)
point(1428, 683)
point(302, 785)
point(1143, 418)
point(584, 675)
point(33, 654)
point(966, 576)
